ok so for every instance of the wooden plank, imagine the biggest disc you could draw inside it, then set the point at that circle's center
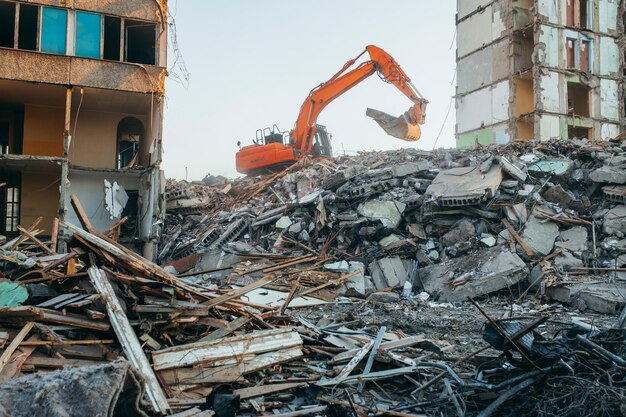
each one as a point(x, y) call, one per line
point(260, 341)
point(303, 412)
point(57, 363)
point(6, 355)
point(38, 242)
point(258, 391)
point(236, 293)
point(17, 359)
point(54, 234)
point(30, 313)
point(129, 341)
point(517, 238)
point(231, 373)
point(345, 372)
point(80, 212)
point(223, 332)
point(383, 348)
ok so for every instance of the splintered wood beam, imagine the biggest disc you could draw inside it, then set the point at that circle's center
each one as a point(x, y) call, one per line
point(80, 212)
point(236, 293)
point(54, 234)
point(517, 238)
point(38, 242)
point(129, 341)
point(6, 355)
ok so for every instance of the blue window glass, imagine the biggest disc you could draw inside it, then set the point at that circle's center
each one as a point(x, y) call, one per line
point(53, 30)
point(88, 31)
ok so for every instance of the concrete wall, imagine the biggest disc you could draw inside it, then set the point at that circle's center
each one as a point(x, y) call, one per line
point(137, 9)
point(67, 70)
point(95, 143)
point(484, 107)
point(89, 187)
point(483, 67)
point(40, 197)
point(482, 28)
point(485, 136)
point(43, 130)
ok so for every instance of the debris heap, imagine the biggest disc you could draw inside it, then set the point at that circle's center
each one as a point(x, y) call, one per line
point(482, 282)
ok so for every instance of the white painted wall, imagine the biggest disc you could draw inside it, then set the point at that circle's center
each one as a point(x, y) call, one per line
point(550, 96)
point(609, 131)
point(549, 55)
point(609, 105)
point(607, 11)
point(549, 127)
point(609, 56)
point(483, 107)
point(479, 30)
point(465, 7)
point(550, 9)
point(89, 187)
point(483, 67)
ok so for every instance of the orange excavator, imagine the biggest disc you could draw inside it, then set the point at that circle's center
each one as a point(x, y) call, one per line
point(273, 149)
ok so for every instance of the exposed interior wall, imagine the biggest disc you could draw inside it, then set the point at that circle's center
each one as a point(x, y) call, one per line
point(43, 130)
point(524, 98)
point(484, 107)
point(481, 28)
point(89, 187)
point(95, 143)
point(40, 197)
point(525, 129)
point(483, 67)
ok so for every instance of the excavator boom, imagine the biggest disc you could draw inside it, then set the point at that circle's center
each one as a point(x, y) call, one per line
point(255, 157)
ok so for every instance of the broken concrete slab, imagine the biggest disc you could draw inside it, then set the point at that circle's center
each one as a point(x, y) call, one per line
point(486, 271)
point(608, 174)
point(409, 168)
point(283, 223)
point(545, 167)
point(567, 260)
point(574, 239)
point(540, 235)
point(388, 273)
point(463, 231)
point(601, 297)
point(615, 220)
point(513, 170)
point(556, 194)
point(464, 186)
point(388, 212)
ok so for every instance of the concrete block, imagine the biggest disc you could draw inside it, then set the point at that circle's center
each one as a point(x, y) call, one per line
point(388, 212)
point(540, 235)
point(487, 271)
point(388, 273)
point(615, 220)
point(574, 239)
point(602, 298)
point(609, 174)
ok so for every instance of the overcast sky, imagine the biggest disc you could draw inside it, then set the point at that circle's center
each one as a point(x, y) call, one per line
point(253, 62)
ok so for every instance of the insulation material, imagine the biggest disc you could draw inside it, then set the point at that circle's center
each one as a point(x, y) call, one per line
point(609, 103)
point(115, 198)
point(483, 107)
point(550, 96)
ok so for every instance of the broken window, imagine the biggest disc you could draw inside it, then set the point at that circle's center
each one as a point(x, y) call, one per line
point(578, 99)
point(7, 24)
point(130, 133)
point(578, 14)
point(112, 38)
point(4, 137)
point(53, 30)
point(88, 28)
point(11, 209)
point(140, 42)
point(578, 132)
point(27, 27)
point(578, 53)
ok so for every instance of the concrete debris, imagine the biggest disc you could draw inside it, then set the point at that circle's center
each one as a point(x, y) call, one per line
point(609, 174)
point(311, 290)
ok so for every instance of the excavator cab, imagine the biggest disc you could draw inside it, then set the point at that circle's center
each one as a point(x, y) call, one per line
point(321, 143)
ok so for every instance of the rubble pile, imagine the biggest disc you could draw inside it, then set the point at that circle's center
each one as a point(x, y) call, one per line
point(483, 282)
point(544, 217)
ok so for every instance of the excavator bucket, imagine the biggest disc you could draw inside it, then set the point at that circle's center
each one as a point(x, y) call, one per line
point(398, 127)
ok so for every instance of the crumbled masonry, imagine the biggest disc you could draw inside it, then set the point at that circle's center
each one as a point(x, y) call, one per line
point(470, 282)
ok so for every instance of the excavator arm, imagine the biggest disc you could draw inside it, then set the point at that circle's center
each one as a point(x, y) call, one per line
point(406, 127)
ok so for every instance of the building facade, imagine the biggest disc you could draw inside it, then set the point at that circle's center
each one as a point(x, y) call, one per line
point(81, 113)
point(539, 69)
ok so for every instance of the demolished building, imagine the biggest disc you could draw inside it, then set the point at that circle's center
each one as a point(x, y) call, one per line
point(81, 112)
point(533, 69)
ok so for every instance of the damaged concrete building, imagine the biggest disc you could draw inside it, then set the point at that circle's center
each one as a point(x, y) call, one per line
point(538, 69)
point(81, 111)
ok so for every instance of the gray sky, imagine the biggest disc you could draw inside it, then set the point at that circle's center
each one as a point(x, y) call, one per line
point(253, 62)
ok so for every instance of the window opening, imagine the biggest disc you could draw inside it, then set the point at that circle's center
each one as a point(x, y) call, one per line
point(4, 138)
point(7, 24)
point(130, 133)
point(140, 42)
point(27, 27)
point(54, 30)
point(88, 33)
point(578, 99)
point(112, 38)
